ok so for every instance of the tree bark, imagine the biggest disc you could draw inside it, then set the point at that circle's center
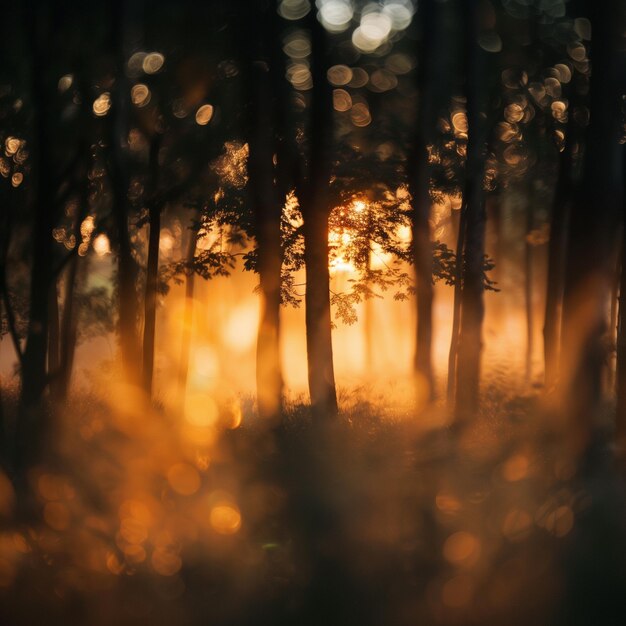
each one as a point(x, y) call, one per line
point(185, 344)
point(456, 307)
point(472, 287)
point(315, 206)
point(69, 326)
point(267, 195)
point(127, 270)
point(32, 423)
point(152, 270)
point(54, 343)
point(556, 259)
point(620, 374)
point(419, 185)
point(529, 288)
point(592, 237)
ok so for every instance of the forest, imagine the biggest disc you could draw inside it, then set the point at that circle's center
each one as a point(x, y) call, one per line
point(311, 312)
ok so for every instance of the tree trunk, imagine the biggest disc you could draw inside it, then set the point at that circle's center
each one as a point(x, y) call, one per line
point(315, 210)
point(556, 260)
point(118, 166)
point(54, 343)
point(528, 288)
point(611, 366)
point(592, 237)
point(152, 271)
point(620, 374)
point(5, 242)
point(31, 427)
point(318, 319)
point(185, 344)
point(456, 307)
point(472, 287)
point(419, 185)
point(267, 198)
point(69, 326)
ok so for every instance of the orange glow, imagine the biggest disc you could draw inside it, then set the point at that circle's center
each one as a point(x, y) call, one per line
point(462, 548)
point(165, 562)
point(241, 328)
point(225, 519)
point(200, 409)
point(183, 478)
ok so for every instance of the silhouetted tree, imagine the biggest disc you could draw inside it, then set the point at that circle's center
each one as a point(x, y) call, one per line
point(473, 249)
point(313, 197)
point(591, 242)
point(267, 193)
point(419, 185)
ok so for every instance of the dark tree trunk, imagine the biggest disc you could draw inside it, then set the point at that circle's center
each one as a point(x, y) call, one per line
point(592, 237)
point(456, 307)
point(267, 195)
point(150, 302)
point(3, 425)
point(318, 319)
point(528, 288)
point(611, 366)
point(152, 271)
point(556, 265)
point(472, 288)
point(5, 242)
point(54, 342)
point(315, 205)
point(69, 327)
point(32, 426)
point(185, 345)
point(621, 327)
point(419, 185)
point(127, 270)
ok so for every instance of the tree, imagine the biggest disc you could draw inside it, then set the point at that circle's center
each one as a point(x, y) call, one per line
point(32, 426)
point(419, 185)
point(472, 253)
point(267, 192)
point(313, 197)
point(118, 167)
point(592, 241)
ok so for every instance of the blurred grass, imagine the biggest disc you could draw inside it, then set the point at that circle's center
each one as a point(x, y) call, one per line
point(380, 518)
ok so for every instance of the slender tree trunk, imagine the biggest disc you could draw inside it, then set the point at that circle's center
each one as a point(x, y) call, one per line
point(69, 328)
point(592, 237)
point(368, 314)
point(3, 425)
point(267, 198)
point(5, 242)
point(185, 346)
point(620, 374)
point(528, 288)
point(611, 366)
point(419, 184)
point(495, 247)
point(32, 423)
point(456, 306)
point(150, 303)
point(315, 209)
point(318, 321)
point(118, 145)
point(152, 271)
point(556, 260)
point(76, 273)
point(54, 343)
point(472, 288)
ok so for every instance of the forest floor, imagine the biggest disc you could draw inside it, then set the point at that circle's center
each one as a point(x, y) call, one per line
point(377, 519)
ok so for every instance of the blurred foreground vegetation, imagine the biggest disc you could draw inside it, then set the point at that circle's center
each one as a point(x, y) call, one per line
point(372, 519)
